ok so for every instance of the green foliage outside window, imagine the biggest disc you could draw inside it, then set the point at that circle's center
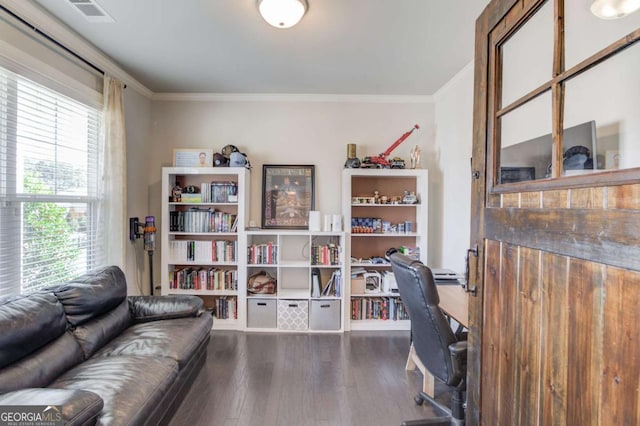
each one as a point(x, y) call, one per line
point(49, 245)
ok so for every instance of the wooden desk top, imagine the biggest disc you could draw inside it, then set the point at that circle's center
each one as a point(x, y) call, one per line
point(455, 302)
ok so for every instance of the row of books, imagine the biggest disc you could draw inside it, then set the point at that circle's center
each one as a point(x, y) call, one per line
point(219, 192)
point(262, 254)
point(226, 307)
point(325, 254)
point(333, 287)
point(203, 251)
point(202, 220)
point(203, 279)
point(378, 308)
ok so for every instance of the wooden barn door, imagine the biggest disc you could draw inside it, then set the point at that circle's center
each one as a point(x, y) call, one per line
point(555, 228)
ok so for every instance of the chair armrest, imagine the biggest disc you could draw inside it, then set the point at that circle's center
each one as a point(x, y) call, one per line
point(153, 308)
point(458, 353)
point(77, 407)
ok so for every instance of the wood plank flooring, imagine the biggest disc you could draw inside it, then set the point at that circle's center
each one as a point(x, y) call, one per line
point(355, 378)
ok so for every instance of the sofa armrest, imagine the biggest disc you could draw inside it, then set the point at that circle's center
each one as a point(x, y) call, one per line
point(153, 308)
point(77, 407)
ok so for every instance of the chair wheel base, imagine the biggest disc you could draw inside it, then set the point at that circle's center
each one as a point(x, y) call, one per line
point(418, 400)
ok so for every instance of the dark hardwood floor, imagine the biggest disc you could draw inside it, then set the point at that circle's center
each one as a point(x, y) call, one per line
point(356, 378)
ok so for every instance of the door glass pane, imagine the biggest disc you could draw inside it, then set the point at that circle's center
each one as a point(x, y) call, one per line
point(608, 95)
point(586, 34)
point(527, 57)
point(526, 143)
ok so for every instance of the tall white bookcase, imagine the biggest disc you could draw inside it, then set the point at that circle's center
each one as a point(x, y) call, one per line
point(377, 217)
point(203, 239)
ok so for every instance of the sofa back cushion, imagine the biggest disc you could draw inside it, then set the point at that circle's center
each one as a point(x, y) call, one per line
point(91, 295)
point(94, 334)
point(43, 366)
point(28, 323)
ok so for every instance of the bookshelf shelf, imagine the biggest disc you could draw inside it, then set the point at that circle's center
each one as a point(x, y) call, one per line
point(372, 229)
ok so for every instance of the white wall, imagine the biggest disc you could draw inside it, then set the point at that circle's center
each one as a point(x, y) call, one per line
point(138, 130)
point(287, 132)
point(451, 179)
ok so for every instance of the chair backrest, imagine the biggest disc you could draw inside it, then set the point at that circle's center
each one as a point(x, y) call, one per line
point(430, 329)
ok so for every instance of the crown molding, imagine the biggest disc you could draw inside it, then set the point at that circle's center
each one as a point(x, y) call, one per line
point(437, 97)
point(54, 28)
point(290, 97)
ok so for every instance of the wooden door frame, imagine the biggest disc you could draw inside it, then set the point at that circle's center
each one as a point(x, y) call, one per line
point(487, 21)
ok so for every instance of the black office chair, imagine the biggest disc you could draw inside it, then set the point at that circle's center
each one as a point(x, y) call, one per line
point(437, 346)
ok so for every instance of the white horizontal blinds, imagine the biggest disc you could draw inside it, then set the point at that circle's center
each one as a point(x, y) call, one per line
point(57, 140)
point(49, 196)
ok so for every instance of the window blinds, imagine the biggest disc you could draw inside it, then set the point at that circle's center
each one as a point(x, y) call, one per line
point(49, 147)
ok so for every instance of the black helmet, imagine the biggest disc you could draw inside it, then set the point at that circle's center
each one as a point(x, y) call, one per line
point(220, 160)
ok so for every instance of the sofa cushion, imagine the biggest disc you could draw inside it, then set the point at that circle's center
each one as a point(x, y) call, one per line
point(28, 323)
point(96, 333)
point(177, 339)
point(129, 386)
point(43, 366)
point(92, 294)
point(77, 407)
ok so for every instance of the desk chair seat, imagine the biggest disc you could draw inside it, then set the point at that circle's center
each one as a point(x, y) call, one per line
point(437, 346)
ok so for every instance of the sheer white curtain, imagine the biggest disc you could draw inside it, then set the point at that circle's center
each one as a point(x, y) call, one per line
point(114, 179)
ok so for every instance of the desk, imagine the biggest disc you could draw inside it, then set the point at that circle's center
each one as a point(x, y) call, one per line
point(455, 303)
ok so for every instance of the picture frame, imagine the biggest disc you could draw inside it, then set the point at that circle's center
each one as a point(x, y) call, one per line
point(517, 174)
point(287, 196)
point(192, 157)
point(612, 159)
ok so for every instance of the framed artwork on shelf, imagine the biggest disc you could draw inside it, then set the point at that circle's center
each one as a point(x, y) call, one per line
point(287, 196)
point(197, 157)
point(612, 159)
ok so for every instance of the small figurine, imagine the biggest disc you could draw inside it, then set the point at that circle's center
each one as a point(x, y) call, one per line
point(409, 198)
point(376, 197)
point(415, 157)
point(176, 194)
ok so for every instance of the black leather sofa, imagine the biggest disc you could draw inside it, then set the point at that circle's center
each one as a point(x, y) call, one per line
point(102, 357)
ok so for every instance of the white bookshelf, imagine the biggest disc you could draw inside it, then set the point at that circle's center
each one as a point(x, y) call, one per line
point(292, 264)
point(174, 258)
point(359, 202)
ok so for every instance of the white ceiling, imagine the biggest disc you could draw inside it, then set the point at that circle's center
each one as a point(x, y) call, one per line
point(359, 47)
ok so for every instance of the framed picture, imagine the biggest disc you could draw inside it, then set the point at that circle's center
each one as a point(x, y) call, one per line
point(517, 174)
point(196, 157)
point(612, 159)
point(287, 196)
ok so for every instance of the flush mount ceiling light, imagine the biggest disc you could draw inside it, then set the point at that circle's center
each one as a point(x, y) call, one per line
point(282, 13)
point(613, 9)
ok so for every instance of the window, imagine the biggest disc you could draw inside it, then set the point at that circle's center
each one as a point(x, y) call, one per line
point(49, 176)
point(561, 103)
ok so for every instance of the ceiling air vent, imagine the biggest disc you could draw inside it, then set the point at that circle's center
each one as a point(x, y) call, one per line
point(91, 10)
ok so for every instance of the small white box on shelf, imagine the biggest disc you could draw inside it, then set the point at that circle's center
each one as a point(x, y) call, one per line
point(293, 314)
point(324, 315)
point(261, 313)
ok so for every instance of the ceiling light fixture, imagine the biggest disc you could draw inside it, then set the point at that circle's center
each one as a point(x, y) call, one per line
point(614, 9)
point(282, 13)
